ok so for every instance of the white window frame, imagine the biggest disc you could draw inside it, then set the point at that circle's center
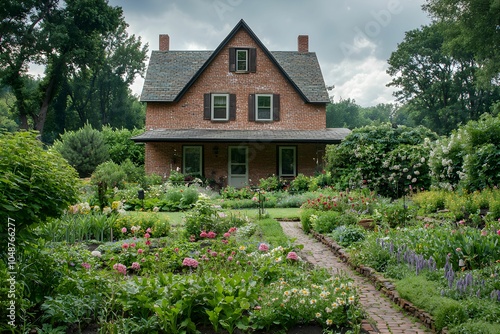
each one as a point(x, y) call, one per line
point(257, 118)
point(280, 160)
point(237, 61)
point(200, 151)
point(212, 107)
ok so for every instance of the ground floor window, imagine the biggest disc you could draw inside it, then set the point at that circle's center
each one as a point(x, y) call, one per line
point(287, 159)
point(192, 160)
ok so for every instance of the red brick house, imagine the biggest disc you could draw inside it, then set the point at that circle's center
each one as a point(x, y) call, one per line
point(238, 113)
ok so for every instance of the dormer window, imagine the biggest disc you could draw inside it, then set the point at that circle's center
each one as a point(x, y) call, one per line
point(242, 60)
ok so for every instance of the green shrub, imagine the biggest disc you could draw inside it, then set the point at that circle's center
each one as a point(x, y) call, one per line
point(476, 327)
point(134, 173)
point(305, 219)
point(157, 222)
point(121, 148)
point(271, 183)
point(300, 184)
point(430, 201)
point(36, 184)
point(110, 174)
point(85, 149)
point(326, 222)
point(347, 235)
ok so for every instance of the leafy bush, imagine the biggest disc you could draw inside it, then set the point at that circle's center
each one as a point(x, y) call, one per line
point(121, 147)
point(300, 183)
point(136, 225)
point(135, 173)
point(430, 201)
point(325, 222)
point(272, 183)
point(84, 149)
point(347, 235)
point(369, 156)
point(36, 184)
point(110, 174)
point(305, 219)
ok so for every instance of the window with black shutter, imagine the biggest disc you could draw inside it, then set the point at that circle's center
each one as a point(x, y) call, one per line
point(219, 107)
point(263, 107)
point(242, 60)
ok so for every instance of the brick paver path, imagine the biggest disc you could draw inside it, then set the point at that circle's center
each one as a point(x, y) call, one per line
point(384, 316)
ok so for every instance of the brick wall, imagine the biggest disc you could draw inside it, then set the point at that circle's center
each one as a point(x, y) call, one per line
point(188, 112)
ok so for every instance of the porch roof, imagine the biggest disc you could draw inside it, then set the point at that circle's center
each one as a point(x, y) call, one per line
point(326, 136)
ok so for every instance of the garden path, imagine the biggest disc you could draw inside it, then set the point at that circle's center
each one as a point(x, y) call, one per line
point(383, 314)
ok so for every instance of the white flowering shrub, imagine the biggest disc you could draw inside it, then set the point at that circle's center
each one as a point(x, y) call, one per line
point(375, 157)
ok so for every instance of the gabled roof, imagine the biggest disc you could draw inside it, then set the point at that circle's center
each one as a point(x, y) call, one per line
point(170, 74)
point(326, 136)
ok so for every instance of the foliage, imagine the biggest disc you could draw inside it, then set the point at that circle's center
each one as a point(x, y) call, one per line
point(110, 174)
point(346, 235)
point(468, 158)
point(272, 183)
point(300, 183)
point(84, 149)
point(442, 87)
point(121, 147)
point(36, 184)
point(377, 157)
point(347, 114)
point(325, 222)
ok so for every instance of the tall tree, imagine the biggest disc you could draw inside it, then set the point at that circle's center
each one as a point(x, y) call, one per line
point(473, 25)
point(64, 37)
point(440, 88)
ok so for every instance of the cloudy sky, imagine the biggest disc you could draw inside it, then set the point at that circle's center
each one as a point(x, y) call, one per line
point(352, 38)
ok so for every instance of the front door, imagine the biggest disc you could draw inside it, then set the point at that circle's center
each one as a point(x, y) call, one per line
point(238, 166)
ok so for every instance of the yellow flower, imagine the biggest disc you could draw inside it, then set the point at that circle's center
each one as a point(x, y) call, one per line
point(312, 301)
point(242, 248)
point(305, 292)
point(351, 299)
point(335, 305)
point(329, 322)
point(295, 290)
point(287, 293)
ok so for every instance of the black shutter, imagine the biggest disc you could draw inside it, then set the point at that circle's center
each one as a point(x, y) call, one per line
point(232, 60)
point(276, 107)
point(207, 108)
point(252, 60)
point(232, 107)
point(251, 108)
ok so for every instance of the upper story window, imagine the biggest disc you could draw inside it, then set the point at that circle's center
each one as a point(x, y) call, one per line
point(242, 60)
point(220, 107)
point(264, 107)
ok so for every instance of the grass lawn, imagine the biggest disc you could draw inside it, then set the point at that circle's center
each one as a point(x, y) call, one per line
point(176, 218)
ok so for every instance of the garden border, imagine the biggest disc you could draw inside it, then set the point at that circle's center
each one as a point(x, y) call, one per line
point(381, 283)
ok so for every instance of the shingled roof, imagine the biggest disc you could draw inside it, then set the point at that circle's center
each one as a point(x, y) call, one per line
point(171, 73)
point(326, 136)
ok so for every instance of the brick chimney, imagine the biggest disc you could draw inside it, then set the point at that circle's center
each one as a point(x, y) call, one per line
point(164, 42)
point(303, 42)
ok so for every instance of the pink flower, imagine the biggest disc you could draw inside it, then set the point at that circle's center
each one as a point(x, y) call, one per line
point(212, 235)
point(148, 230)
point(120, 268)
point(255, 199)
point(124, 230)
point(263, 247)
point(203, 234)
point(132, 244)
point(147, 235)
point(232, 229)
point(230, 258)
point(498, 232)
point(189, 262)
point(176, 249)
point(484, 233)
point(86, 265)
point(143, 259)
point(148, 242)
point(292, 256)
point(124, 245)
point(192, 238)
point(214, 254)
point(459, 249)
point(224, 241)
point(136, 266)
point(462, 222)
point(140, 251)
point(227, 235)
